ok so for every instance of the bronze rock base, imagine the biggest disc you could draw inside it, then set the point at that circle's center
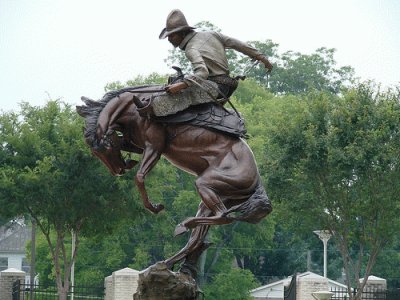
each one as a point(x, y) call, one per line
point(158, 282)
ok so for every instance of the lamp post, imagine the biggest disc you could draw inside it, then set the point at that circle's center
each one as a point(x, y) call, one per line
point(322, 295)
point(324, 236)
point(73, 235)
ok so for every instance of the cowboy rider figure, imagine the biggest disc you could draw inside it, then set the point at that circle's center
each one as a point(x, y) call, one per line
point(206, 52)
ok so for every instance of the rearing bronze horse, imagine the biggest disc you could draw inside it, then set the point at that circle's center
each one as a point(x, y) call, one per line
point(227, 180)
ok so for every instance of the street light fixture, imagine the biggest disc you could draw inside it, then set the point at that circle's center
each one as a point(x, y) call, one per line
point(324, 236)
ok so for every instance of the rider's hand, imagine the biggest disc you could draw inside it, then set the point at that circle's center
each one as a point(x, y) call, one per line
point(176, 87)
point(266, 63)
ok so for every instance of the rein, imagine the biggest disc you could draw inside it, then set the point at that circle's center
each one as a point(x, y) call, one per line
point(146, 91)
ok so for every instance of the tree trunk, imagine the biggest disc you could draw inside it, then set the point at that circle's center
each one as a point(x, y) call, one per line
point(62, 294)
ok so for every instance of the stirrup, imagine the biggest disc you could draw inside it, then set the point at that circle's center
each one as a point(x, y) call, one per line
point(144, 109)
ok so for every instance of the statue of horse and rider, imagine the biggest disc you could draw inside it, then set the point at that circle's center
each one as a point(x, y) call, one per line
point(186, 122)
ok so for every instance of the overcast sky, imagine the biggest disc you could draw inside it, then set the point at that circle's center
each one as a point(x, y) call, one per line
point(66, 49)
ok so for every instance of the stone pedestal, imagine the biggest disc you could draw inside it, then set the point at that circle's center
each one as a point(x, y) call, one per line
point(124, 284)
point(7, 278)
point(158, 282)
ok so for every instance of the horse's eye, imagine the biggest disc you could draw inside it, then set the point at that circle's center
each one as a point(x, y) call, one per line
point(105, 143)
point(100, 145)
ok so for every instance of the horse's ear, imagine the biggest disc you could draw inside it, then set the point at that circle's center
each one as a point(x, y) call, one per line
point(89, 102)
point(81, 110)
point(85, 110)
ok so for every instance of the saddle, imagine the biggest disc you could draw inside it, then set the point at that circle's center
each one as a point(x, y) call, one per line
point(208, 115)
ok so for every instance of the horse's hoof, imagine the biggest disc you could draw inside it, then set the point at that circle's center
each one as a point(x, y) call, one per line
point(169, 264)
point(180, 229)
point(156, 208)
point(130, 163)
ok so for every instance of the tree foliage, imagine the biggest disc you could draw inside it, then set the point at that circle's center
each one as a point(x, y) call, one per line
point(233, 285)
point(336, 165)
point(298, 73)
point(48, 173)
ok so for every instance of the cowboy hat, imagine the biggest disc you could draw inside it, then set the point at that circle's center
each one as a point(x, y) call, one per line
point(176, 22)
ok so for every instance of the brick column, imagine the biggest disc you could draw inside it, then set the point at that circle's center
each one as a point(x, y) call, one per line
point(121, 285)
point(7, 278)
point(310, 284)
point(374, 284)
point(108, 285)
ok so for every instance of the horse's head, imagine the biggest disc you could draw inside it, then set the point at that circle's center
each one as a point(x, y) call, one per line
point(108, 150)
point(105, 144)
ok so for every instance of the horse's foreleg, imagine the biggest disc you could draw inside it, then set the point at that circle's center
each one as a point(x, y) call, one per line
point(150, 158)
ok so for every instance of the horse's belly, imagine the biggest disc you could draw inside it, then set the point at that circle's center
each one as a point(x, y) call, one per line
point(230, 164)
point(190, 162)
point(237, 171)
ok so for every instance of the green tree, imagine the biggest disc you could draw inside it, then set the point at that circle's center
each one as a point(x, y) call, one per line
point(298, 73)
point(153, 78)
point(335, 163)
point(47, 172)
point(233, 285)
point(387, 264)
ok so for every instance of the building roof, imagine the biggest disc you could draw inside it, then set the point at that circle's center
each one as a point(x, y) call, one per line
point(278, 286)
point(374, 279)
point(13, 271)
point(13, 237)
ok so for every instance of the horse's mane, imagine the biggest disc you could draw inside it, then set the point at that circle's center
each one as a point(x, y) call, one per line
point(92, 109)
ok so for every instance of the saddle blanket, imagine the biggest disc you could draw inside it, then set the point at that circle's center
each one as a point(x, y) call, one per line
point(165, 104)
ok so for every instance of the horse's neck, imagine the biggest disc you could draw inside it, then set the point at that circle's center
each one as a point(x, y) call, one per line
point(121, 114)
point(132, 125)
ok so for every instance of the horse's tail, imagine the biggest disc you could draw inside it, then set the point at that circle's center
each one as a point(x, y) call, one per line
point(257, 207)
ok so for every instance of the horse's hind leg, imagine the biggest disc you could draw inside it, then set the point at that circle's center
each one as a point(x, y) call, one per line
point(195, 246)
point(202, 221)
point(205, 185)
point(207, 193)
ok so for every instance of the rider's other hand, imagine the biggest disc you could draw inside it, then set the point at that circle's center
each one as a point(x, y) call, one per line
point(175, 88)
point(266, 63)
point(268, 66)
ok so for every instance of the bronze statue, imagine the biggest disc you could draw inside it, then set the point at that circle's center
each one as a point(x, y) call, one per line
point(186, 122)
point(210, 80)
point(227, 177)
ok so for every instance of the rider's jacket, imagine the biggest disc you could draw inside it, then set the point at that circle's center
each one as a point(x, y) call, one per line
point(206, 52)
